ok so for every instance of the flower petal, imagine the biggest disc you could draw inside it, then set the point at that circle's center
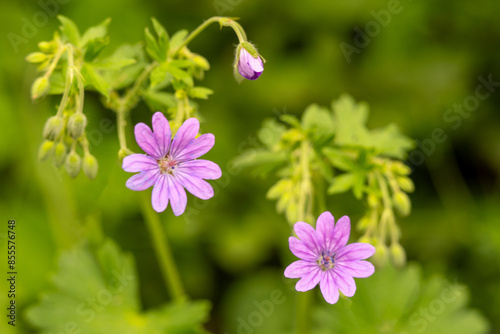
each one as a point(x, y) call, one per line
point(143, 180)
point(177, 195)
point(309, 280)
point(328, 288)
point(300, 250)
point(138, 163)
point(204, 169)
point(146, 140)
point(355, 251)
point(345, 282)
point(195, 185)
point(159, 196)
point(324, 229)
point(184, 136)
point(300, 268)
point(341, 233)
point(356, 268)
point(197, 147)
point(162, 133)
point(307, 235)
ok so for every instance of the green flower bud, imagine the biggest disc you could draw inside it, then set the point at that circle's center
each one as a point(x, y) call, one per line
point(201, 62)
point(39, 88)
point(398, 255)
point(372, 201)
point(52, 127)
point(73, 164)
point(363, 223)
point(406, 184)
point(60, 154)
point(381, 255)
point(36, 57)
point(90, 166)
point(366, 239)
point(400, 168)
point(402, 203)
point(47, 47)
point(76, 125)
point(46, 150)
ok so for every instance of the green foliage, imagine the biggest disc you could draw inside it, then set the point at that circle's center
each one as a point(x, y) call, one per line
point(97, 292)
point(399, 301)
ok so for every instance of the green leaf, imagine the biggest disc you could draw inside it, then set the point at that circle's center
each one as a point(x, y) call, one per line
point(179, 73)
point(390, 142)
point(400, 301)
point(56, 84)
point(158, 75)
point(339, 159)
point(161, 101)
point(163, 39)
point(95, 79)
point(317, 119)
point(94, 48)
point(200, 92)
point(128, 74)
point(97, 293)
point(99, 31)
point(152, 47)
point(70, 30)
point(177, 40)
point(290, 120)
point(262, 162)
point(112, 64)
point(341, 183)
point(270, 133)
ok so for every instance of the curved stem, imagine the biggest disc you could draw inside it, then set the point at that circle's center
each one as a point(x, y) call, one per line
point(302, 312)
point(162, 249)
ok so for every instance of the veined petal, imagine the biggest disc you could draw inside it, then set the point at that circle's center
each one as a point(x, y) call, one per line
point(309, 280)
point(356, 268)
point(345, 282)
point(162, 133)
point(307, 235)
point(138, 163)
point(146, 140)
point(341, 233)
point(177, 195)
point(159, 196)
point(324, 229)
point(204, 169)
point(355, 251)
point(300, 250)
point(329, 288)
point(184, 136)
point(300, 268)
point(143, 180)
point(197, 147)
point(195, 185)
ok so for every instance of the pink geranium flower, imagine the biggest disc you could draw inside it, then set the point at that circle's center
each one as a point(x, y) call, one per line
point(325, 258)
point(172, 165)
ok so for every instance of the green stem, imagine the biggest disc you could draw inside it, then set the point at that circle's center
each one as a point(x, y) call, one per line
point(302, 312)
point(223, 21)
point(162, 249)
point(69, 81)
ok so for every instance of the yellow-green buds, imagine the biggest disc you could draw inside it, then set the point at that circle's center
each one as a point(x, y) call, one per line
point(90, 166)
point(39, 88)
point(406, 184)
point(73, 164)
point(381, 255)
point(46, 149)
point(402, 203)
point(52, 128)
point(400, 168)
point(36, 57)
point(201, 62)
point(60, 154)
point(47, 47)
point(76, 125)
point(398, 255)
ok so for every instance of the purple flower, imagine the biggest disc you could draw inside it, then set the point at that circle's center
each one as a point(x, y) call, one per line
point(325, 258)
point(171, 165)
point(249, 67)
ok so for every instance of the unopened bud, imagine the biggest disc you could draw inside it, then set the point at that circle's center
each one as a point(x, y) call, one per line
point(60, 154)
point(90, 166)
point(398, 255)
point(73, 164)
point(39, 88)
point(373, 201)
point(45, 150)
point(363, 223)
point(76, 125)
point(52, 127)
point(201, 62)
point(381, 255)
point(402, 203)
point(406, 184)
point(36, 57)
point(400, 168)
point(366, 239)
point(47, 47)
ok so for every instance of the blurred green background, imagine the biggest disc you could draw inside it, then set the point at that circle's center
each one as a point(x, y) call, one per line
point(233, 248)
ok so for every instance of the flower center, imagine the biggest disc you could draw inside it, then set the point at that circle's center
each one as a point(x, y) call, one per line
point(326, 260)
point(167, 165)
